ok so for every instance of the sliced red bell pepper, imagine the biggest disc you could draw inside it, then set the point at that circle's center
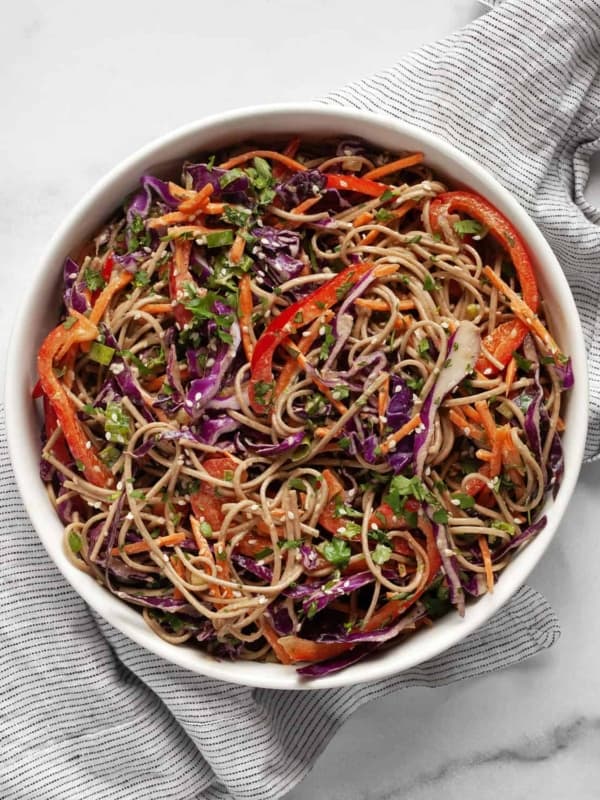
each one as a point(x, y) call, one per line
point(287, 323)
point(60, 339)
point(507, 337)
point(352, 183)
point(206, 502)
point(107, 267)
point(59, 448)
point(179, 276)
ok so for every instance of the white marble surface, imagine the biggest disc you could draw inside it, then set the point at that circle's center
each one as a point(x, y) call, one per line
point(84, 84)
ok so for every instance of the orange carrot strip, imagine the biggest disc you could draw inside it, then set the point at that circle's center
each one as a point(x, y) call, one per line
point(560, 424)
point(383, 401)
point(118, 281)
point(370, 237)
point(143, 547)
point(487, 420)
point(383, 270)
point(273, 155)
point(394, 166)
point(154, 384)
point(469, 429)
point(179, 568)
point(407, 428)
point(305, 205)
point(290, 151)
point(273, 639)
point(487, 563)
point(194, 204)
point(291, 367)
point(382, 305)
point(322, 387)
point(214, 208)
point(245, 309)
point(172, 218)
point(471, 413)
point(363, 219)
point(511, 371)
point(157, 308)
point(483, 455)
point(237, 249)
point(523, 312)
point(403, 210)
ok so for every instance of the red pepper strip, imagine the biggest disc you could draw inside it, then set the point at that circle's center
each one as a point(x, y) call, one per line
point(351, 183)
point(37, 392)
point(507, 337)
point(206, 503)
point(94, 470)
point(59, 448)
point(179, 276)
point(288, 322)
point(328, 518)
point(107, 267)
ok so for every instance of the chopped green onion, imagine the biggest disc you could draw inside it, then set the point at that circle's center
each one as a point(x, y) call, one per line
point(219, 239)
point(101, 353)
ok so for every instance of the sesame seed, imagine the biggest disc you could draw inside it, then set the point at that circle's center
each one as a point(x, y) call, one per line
point(88, 445)
point(129, 515)
point(290, 515)
point(119, 486)
point(455, 502)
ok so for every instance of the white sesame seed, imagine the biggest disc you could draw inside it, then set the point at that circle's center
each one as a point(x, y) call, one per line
point(88, 445)
point(290, 515)
point(373, 526)
point(455, 501)
point(119, 486)
point(129, 515)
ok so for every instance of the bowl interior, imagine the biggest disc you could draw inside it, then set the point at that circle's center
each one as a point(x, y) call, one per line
point(39, 312)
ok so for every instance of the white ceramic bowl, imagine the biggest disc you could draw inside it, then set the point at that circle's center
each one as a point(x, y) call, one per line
point(38, 313)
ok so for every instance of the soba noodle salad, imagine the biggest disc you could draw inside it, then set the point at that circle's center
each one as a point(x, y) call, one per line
point(301, 402)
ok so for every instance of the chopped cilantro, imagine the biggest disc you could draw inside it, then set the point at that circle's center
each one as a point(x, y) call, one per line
point(430, 285)
point(468, 226)
point(381, 554)
point(464, 500)
point(337, 552)
point(522, 363)
point(93, 279)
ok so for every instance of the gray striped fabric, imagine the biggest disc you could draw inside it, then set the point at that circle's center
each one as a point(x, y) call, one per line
point(87, 713)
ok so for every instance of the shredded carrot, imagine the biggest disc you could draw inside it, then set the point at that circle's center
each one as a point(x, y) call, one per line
point(383, 270)
point(172, 218)
point(403, 210)
point(237, 249)
point(471, 413)
point(305, 205)
point(291, 367)
point(483, 455)
point(363, 219)
point(487, 563)
point(118, 281)
point(471, 430)
point(383, 305)
point(383, 402)
point(523, 312)
point(245, 310)
point(511, 372)
point(195, 204)
point(272, 155)
point(370, 237)
point(290, 151)
point(82, 332)
point(179, 568)
point(321, 433)
point(155, 384)
point(273, 639)
point(407, 428)
point(487, 420)
point(214, 208)
point(143, 547)
point(394, 166)
point(560, 424)
point(322, 387)
point(157, 308)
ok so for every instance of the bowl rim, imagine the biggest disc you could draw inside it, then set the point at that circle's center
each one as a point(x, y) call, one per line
point(119, 614)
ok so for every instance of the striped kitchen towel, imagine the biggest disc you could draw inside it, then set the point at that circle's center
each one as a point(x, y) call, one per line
point(86, 713)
